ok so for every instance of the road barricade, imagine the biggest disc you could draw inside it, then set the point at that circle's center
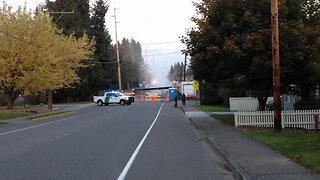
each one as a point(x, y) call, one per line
point(142, 98)
point(152, 98)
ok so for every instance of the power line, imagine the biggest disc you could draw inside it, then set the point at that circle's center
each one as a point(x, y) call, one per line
point(161, 54)
point(165, 49)
point(168, 42)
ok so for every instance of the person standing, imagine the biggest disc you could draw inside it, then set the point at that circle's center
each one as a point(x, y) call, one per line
point(176, 99)
point(183, 99)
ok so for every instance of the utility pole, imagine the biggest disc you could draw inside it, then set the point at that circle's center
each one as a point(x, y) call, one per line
point(117, 48)
point(185, 67)
point(276, 65)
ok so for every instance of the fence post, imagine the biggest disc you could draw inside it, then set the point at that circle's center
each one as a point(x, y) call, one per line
point(316, 121)
point(282, 119)
point(235, 119)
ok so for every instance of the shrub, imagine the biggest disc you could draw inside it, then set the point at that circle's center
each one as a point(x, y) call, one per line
point(3, 101)
point(310, 104)
point(270, 106)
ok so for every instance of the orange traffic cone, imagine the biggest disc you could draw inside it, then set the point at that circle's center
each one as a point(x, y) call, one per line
point(142, 98)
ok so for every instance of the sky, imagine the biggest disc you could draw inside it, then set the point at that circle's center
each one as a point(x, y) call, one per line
point(156, 24)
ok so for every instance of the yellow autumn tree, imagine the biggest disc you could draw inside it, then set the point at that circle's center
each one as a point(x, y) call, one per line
point(35, 55)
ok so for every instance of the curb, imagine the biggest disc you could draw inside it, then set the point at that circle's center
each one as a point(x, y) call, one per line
point(236, 168)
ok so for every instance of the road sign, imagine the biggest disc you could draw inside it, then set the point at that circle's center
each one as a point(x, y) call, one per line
point(195, 85)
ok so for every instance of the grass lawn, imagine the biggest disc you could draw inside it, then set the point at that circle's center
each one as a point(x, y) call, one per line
point(213, 108)
point(227, 119)
point(20, 112)
point(49, 114)
point(298, 146)
point(13, 114)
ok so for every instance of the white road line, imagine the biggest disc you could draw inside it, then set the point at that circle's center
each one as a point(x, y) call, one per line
point(129, 163)
point(31, 127)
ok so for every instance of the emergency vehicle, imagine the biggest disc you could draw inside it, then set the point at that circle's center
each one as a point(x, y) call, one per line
point(113, 97)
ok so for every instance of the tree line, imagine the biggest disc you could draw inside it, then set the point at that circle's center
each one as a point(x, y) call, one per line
point(179, 72)
point(231, 48)
point(102, 75)
point(70, 54)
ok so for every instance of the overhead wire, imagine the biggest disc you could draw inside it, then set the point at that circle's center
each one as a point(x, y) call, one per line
point(164, 49)
point(162, 54)
point(167, 42)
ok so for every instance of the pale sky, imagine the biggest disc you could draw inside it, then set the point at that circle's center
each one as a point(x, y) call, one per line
point(156, 24)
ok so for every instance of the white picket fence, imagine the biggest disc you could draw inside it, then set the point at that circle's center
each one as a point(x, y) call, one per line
point(290, 119)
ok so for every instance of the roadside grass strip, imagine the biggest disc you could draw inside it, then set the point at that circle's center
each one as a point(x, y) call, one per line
point(213, 108)
point(227, 119)
point(49, 115)
point(13, 114)
point(20, 112)
point(301, 147)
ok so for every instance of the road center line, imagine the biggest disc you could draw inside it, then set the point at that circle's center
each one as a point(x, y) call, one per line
point(39, 125)
point(129, 163)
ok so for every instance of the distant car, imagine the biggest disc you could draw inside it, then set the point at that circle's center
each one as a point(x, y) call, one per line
point(113, 97)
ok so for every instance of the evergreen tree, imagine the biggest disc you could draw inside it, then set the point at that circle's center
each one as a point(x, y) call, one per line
point(139, 61)
point(77, 22)
point(131, 63)
point(103, 74)
point(176, 72)
point(170, 75)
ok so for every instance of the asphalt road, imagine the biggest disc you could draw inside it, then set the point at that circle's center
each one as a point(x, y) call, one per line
point(143, 141)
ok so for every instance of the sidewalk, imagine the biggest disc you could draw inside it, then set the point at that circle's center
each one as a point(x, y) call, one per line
point(246, 157)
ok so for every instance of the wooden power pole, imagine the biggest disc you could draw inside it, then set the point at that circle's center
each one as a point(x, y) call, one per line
point(276, 65)
point(185, 67)
point(117, 48)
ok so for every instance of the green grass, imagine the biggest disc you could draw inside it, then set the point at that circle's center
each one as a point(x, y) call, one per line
point(298, 146)
point(32, 113)
point(213, 108)
point(49, 114)
point(13, 114)
point(227, 119)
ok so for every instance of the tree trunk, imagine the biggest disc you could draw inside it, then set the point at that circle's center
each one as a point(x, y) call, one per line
point(10, 101)
point(49, 99)
point(262, 103)
point(11, 97)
